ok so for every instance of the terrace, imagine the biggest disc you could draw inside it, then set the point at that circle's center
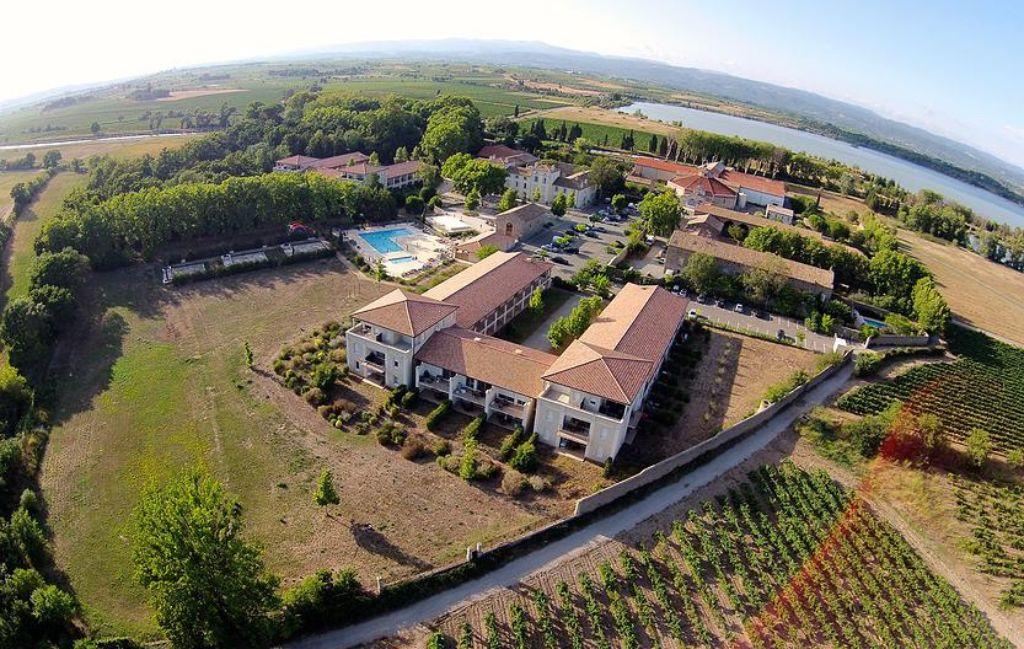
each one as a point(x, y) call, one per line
point(437, 383)
point(575, 429)
point(367, 333)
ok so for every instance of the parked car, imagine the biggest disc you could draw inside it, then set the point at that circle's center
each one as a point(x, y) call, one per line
point(781, 334)
point(560, 260)
point(572, 250)
point(702, 299)
point(590, 233)
point(692, 314)
point(739, 308)
point(719, 302)
point(550, 247)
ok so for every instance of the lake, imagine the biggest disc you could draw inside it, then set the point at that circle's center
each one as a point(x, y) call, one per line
point(909, 175)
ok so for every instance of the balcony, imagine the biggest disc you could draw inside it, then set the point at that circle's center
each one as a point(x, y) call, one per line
point(507, 407)
point(365, 332)
point(465, 393)
point(608, 409)
point(375, 362)
point(575, 429)
point(436, 383)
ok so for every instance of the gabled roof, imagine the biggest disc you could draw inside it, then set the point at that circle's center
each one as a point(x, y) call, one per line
point(402, 168)
point(404, 312)
point(297, 161)
point(498, 362)
point(664, 165)
point(640, 321)
point(506, 154)
point(694, 184)
point(488, 284)
point(755, 183)
point(599, 371)
point(528, 212)
point(342, 160)
point(750, 258)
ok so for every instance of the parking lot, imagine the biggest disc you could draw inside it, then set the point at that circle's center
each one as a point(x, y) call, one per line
point(592, 246)
point(763, 323)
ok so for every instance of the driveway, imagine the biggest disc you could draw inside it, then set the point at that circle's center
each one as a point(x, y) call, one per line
point(590, 247)
point(593, 534)
point(539, 338)
point(768, 325)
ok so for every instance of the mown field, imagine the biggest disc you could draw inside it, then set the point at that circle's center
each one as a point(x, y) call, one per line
point(786, 558)
point(8, 179)
point(19, 255)
point(157, 382)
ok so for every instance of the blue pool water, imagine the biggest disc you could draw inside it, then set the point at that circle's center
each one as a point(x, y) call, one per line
point(383, 241)
point(877, 324)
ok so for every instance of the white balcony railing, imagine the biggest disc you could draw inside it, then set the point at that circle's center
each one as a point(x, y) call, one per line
point(471, 395)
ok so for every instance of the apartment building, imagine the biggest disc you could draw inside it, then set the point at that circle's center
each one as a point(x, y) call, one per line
point(355, 166)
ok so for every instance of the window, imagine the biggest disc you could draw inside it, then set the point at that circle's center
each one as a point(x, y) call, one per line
point(396, 363)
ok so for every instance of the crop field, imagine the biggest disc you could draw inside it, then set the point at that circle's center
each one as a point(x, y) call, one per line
point(787, 558)
point(995, 513)
point(983, 389)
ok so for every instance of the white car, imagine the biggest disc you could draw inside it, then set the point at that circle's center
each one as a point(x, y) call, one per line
point(692, 315)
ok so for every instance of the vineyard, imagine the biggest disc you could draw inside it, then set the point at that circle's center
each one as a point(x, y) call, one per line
point(787, 559)
point(983, 389)
point(995, 513)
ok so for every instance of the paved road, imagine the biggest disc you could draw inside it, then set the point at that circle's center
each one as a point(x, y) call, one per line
point(594, 534)
point(769, 325)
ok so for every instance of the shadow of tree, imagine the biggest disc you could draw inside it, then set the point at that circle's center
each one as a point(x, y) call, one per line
point(375, 542)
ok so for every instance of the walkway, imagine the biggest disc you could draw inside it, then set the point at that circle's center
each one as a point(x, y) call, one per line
point(539, 338)
point(768, 326)
point(595, 533)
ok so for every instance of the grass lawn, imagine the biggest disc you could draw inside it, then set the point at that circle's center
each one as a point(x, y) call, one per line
point(157, 382)
point(527, 322)
point(8, 179)
point(20, 254)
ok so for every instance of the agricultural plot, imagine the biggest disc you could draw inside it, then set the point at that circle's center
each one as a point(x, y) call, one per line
point(786, 559)
point(984, 389)
point(995, 513)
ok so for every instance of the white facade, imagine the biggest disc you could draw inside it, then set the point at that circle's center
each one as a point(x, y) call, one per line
point(498, 404)
point(568, 418)
point(543, 178)
point(383, 356)
point(754, 197)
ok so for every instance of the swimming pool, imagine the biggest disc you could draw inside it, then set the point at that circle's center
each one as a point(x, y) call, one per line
point(877, 324)
point(383, 241)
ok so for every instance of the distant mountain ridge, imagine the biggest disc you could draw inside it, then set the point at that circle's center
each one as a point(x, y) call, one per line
point(792, 102)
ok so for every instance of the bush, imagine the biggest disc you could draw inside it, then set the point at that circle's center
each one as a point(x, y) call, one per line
point(866, 363)
point(438, 414)
point(409, 398)
point(322, 600)
point(513, 483)
point(1015, 459)
point(471, 430)
point(413, 450)
point(510, 442)
point(524, 459)
point(468, 461)
point(314, 396)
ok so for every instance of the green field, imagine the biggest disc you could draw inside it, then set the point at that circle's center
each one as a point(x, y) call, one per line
point(9, 179)
point(20, 254)
point(596, 133)
point(117, 113)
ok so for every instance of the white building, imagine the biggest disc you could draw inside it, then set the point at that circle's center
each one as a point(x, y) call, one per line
point(551, 179)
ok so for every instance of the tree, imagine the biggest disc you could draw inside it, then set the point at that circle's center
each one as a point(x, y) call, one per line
point(536, 303)
point(559, 206)
point(979, 445)
point(15, 399)
point(930, 308)
point(701, 271)
point(661, 211)
point(764, 283)
point(379, 272)
point(51, 159)
point(325, 493)
point(456, 128)
point(568, 328)
point(473, 199)
point(414, 204)
point(507, 201)
point(608, 175)
point(53, 607)
point(401, 154)
point(94, 128)
point(486, 251)
point(535, 197)
point(619, 202)
point(247, 351)
point(600, 284)
point(66, 269)
point(207, 584)
point(1015, 459)
point(467, 173)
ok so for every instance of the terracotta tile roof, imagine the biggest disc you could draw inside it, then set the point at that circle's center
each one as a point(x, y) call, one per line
point(506, 154)
point(751, 258)
point(498, 362)
point(297, 161)
point(756, 183)
point(724, 214)
point(664, 165)
point(599, 371)
point(529, 212)
point(698, 183)
point(578, 180)
point(622, 348)
point(640, 321)
point(402, 168)
point(342, 160)
point(404, 312)
point(488, 284)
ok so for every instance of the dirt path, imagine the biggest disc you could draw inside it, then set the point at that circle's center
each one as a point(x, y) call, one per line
point(937, 557)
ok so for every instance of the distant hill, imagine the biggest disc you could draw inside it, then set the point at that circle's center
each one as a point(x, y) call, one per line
point(799, 104)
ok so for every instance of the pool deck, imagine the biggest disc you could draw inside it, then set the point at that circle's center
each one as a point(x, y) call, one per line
point(417, 250)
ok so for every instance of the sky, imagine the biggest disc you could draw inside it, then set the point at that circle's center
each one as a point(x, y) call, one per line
point(954, 68)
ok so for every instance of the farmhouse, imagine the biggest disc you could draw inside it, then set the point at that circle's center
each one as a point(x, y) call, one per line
point(586, 402)
point(702, 188)
point(521, 221)
point(506, 156)
point(735, 259)
point(747, 188)
point(355, 166)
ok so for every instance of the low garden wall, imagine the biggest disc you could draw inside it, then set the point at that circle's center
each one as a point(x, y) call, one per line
point(892, 340)
point(667, 466)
